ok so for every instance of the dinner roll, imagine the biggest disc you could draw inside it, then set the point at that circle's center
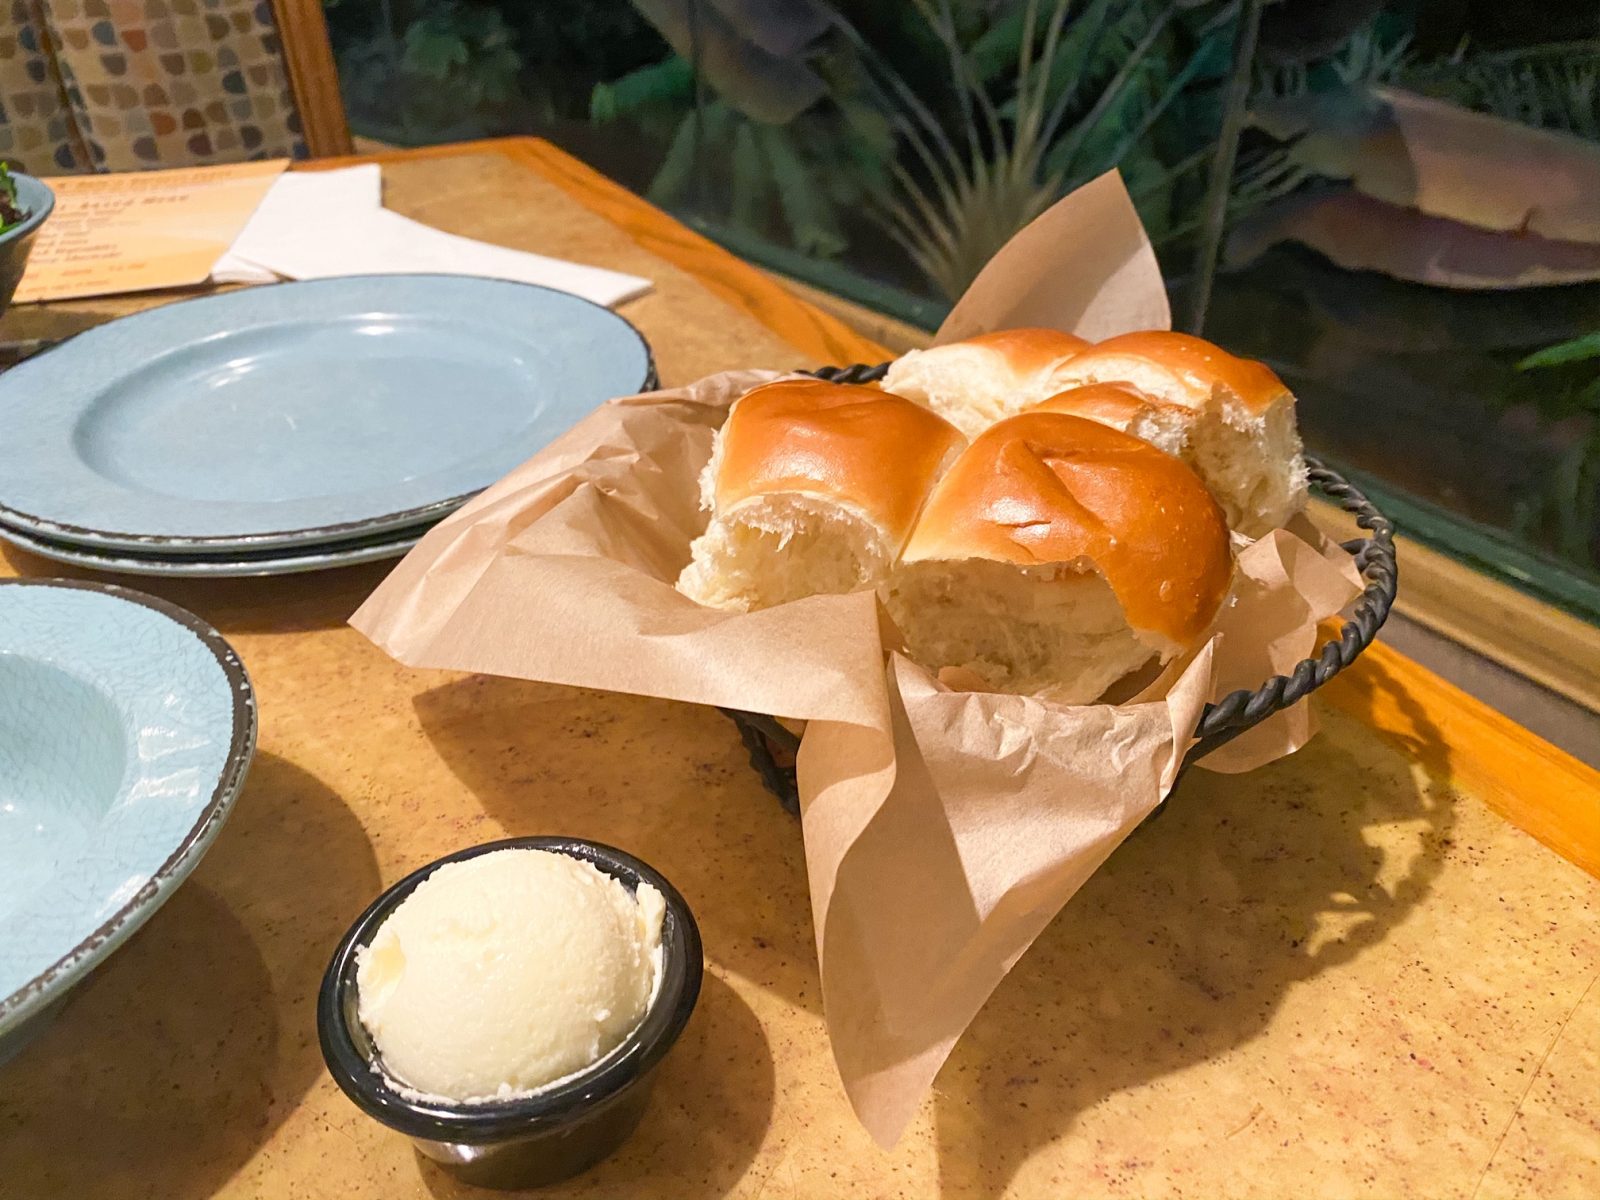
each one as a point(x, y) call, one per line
point(812, 487)
point(1251, 455)
point(1199, 436)
point(1057, 555)
point(1168, 427)
point(973, 384)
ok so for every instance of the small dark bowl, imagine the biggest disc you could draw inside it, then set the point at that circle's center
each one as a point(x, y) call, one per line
point(543, 1138)
point(35, 199)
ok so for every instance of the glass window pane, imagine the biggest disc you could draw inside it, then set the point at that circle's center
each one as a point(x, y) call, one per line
point(1409, 234)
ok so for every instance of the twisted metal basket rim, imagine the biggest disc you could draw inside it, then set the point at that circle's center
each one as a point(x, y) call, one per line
point(1236, 712)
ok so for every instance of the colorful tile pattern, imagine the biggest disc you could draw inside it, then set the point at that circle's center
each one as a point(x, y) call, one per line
point(125, 85)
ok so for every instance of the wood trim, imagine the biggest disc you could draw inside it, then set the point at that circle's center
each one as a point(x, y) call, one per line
point(1537, 641)
point(1537, 787)
point(313, 76)
point(1553, 648)
point(890, 332)
point(1453, 735)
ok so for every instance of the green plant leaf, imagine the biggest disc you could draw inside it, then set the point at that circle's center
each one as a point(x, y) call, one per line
point(431, 50)
point(995, 52)
point(1148, 183)
point(671, 182)
point(1097, 42)
point(469, 51)
point(1576, 350)
point(872, 129)
point(662, 85)
point(1213, 59)
point(813, 224)
point(762, 85)
point(1087, 36)
point(1553, 85)
point(750, 180)
point(1119, 124)
point(697, 143)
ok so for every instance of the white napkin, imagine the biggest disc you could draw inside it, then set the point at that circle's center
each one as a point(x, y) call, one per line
point(296, 203)
point(317, 224)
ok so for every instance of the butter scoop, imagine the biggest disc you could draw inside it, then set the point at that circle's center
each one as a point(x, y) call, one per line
point(505, 973)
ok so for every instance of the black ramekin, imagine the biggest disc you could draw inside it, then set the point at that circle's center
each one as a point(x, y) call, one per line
point(543, 1138)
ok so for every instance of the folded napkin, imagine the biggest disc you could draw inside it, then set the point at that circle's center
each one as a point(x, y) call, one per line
point(296, 203)
point(318, 224)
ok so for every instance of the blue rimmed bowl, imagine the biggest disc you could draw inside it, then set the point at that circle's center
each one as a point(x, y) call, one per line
point(126, 728)
point(16, 243)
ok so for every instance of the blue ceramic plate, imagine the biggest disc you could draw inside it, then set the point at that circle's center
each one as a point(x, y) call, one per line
point(126, 728)
point(301, 412)
point(281, 560)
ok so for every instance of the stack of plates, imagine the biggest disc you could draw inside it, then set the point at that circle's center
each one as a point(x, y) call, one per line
point(295, 427)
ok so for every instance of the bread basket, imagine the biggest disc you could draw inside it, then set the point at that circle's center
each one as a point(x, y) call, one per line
point(772, 746)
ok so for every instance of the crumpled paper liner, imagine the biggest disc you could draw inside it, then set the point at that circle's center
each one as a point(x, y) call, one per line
point(943, 829)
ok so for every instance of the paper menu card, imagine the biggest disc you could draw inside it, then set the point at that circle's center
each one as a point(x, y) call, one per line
point(142, 230)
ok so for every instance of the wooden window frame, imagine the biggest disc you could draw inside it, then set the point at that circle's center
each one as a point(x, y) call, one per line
point(313, 76)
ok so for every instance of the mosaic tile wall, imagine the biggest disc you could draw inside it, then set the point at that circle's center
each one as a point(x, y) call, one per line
point(123, 85)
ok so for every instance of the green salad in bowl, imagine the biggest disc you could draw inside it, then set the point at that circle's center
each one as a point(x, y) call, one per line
point(11, 210)
point(25, 205)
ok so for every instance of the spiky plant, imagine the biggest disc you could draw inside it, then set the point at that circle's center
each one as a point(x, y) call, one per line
point(1566, 384)
point(965, 194)
point(1554, 86)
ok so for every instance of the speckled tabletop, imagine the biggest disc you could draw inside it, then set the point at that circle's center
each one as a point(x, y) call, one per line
point(1333, 977)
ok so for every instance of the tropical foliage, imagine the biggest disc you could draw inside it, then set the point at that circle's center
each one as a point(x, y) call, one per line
point(432, 70)
point(909, 141)
point(804, 172)
point(938, 126)
point(1045, 103)
point(1552, 87)
point(1563, 384)
point(978, 119)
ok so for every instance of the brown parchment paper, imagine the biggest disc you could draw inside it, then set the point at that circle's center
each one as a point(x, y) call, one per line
point(1083, 265)
point(943, 829)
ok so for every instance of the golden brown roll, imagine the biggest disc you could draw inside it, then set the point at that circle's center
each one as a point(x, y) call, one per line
point(1199, 436)
point(812, 487)
point(1123, 407)
point(974, 383)
point(1056, 555)
point(1179, 368)
point(1245, 444)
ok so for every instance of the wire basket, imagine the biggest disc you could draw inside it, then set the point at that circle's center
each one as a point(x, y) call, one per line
point(772, 747)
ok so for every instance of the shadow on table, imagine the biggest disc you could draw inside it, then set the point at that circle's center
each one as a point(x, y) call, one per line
point(1185, 943)
point(708, 1114)
point(173, 1064)
point(273, 604)
point(56, 323)
point(666, 781)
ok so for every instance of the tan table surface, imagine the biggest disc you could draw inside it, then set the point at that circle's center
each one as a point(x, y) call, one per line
point(1345, 975)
